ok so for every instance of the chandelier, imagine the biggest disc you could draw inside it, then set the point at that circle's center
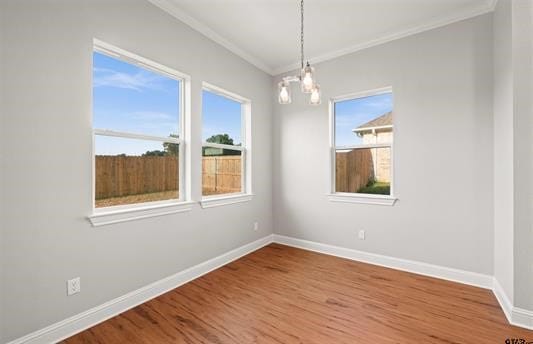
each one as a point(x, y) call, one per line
point(307, 74)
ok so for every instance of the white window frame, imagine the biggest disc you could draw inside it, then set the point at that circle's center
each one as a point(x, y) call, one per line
point(245, 148)
point(348, 196)
point(120, 213)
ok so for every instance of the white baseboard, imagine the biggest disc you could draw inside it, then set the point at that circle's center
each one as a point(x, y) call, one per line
point(522, 318)
point(503, 300)
point(82, 321)
point(516, 316)
point(455, 275)
point(68, 327)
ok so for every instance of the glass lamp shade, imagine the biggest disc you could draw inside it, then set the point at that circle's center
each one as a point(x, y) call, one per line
point(284, 93)
point(307, 78)
point(315, 95)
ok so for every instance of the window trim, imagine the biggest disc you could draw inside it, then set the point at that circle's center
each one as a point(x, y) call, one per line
point(357, 197)
point(114, 133)
point(245, 148)
point(121, 213)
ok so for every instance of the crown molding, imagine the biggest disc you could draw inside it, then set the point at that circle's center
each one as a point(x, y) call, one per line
point(171, 8)
point(489, 7)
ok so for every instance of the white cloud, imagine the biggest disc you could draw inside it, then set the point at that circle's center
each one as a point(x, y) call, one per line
point(154, 116)
point(161, 122)
point(104, 77)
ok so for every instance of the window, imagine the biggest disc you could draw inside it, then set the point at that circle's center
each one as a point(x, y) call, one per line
point(362, 147)
point(138, 109)
point(226, 145)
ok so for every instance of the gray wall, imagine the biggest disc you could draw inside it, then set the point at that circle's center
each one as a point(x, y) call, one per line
point(46, 159)
point(503, 148)
point(513, 150)
point(2, 167)
point(523, 152)
point(442, 82)
point(455, 162)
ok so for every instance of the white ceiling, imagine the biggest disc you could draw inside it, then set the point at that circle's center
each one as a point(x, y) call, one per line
point(267, 32)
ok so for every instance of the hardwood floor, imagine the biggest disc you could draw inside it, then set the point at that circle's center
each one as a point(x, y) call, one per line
point(280, 294)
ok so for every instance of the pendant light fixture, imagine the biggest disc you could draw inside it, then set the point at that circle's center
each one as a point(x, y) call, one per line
point(307, 74)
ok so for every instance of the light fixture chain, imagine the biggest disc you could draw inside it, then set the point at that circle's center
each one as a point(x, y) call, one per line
point(306, 78)
point(302, 34)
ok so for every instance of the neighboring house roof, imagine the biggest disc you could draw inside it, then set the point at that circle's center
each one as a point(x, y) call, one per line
point(382, 122)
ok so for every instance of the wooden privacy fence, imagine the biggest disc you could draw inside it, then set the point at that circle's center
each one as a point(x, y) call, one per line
point(118, 176)
point(353, 170)
point(221, 174)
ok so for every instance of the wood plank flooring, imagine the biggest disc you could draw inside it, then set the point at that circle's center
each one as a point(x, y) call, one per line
point(280, 294)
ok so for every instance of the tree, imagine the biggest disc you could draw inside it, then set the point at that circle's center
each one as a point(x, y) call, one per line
point(172, 148)
point(155, 153)
point(221, 138)
point(169, 149)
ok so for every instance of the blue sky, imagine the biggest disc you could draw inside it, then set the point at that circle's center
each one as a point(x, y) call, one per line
point(349, 114)
point(132, 99)
point(220, 115)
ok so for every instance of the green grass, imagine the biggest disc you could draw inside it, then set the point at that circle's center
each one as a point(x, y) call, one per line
point(377, 188)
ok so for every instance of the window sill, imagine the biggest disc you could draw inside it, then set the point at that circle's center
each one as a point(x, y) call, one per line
point(362, 198)
point(102, 217)
point(217, 201)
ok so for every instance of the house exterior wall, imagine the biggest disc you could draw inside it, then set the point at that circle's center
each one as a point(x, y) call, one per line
point(380, 156)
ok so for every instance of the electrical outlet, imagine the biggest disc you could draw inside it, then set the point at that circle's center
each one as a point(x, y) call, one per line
point(256, 226)
point(361, 235)
point(73, 286)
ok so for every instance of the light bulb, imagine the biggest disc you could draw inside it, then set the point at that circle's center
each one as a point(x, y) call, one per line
point(315, 95)
point(284, 93)
point(307, 78)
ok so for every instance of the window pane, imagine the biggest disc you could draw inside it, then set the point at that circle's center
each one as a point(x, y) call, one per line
point(364, 120)
point(129, 171)
point(221, 119)
point(132, 99)
point(221, 171)
point(363, 170)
